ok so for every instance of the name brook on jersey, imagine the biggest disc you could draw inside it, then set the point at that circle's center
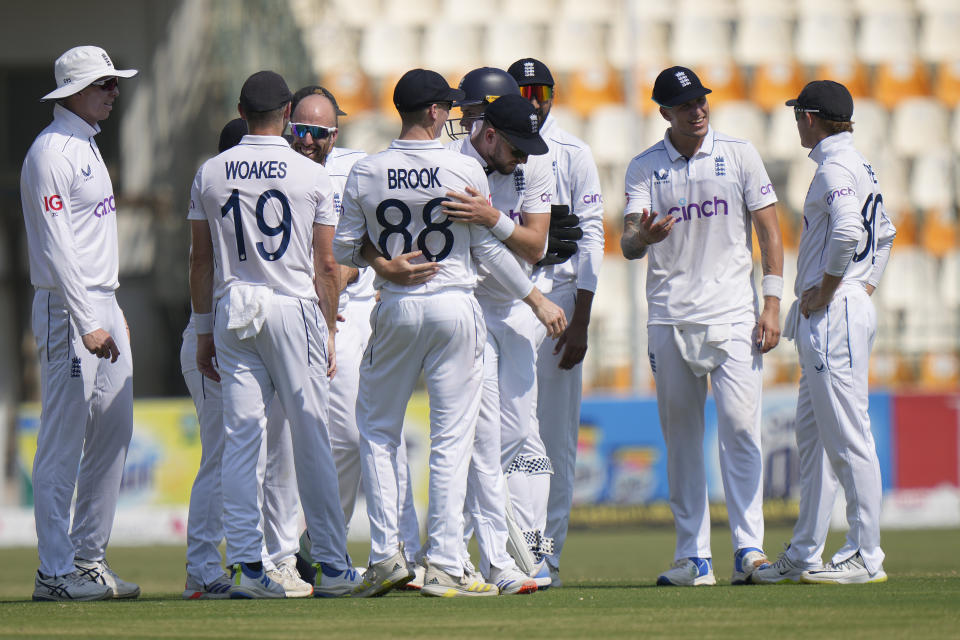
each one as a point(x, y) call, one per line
point(413, 178)
point(255, 170)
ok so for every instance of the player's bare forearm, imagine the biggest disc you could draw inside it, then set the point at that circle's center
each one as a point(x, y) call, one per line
point(573, 342)
point(326, 278)
point(548, 313)
point(769, 239)
point(399, 270)
point(201, 267)
point(818, 297)
point(529, 240)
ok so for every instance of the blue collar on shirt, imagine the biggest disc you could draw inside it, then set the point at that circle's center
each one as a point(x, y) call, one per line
point(830, 145)
point(73, 124)
point(706, 147)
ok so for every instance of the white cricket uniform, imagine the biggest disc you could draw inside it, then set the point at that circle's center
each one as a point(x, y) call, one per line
point(507, 437)
point(280, 507)
point(846, 232)
point(559, 390)
point(262, 200)
point(702, 314)
point(437, 327)
point(87, 402)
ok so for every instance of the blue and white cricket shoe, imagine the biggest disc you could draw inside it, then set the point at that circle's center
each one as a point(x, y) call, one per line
point(688, 572)
point(745, 562)
point(334, 583)
point(248, 583)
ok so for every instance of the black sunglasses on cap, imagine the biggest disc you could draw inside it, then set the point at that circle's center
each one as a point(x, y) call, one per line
point(107, 84)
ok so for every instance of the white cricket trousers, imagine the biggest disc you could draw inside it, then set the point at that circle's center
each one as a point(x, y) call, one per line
point(681, 396)
point(86, 408)
point(559, 392)
point(834, 346)
point(352, 337)
point(287, 357)
point(442, 335)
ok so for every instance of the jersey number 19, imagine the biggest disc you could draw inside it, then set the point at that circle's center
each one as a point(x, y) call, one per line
point(283, 229)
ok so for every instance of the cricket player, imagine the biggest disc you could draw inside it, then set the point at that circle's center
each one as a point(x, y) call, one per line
point(83, 343)
point(569, 272)
point(264, 213)
point(691, 199)
point(397, 199)
point(843, 252)
point(314, 127)
point(506, 142)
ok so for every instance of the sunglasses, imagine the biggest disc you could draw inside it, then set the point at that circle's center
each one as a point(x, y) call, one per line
point(798, 111)
point(541, 92)
point(516, 153)
point(318, 132)
point(107, 84)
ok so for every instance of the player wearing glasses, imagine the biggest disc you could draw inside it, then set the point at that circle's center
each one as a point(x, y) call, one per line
point(86, 369)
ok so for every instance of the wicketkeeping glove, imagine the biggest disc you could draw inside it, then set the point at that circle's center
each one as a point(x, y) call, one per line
point(562, 237)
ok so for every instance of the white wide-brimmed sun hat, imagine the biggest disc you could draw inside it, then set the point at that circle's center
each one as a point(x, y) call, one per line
point(80, 66)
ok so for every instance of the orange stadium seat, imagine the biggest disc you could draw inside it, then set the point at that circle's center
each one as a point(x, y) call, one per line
point(588, 89)
point(725, 81)
point(888, 370)
point(853, 75)
point(775, 83)
point(643, 88)
point(938, 234)
point(940, 371)
point(897, 81)
point(351, 88)
point(946, 83)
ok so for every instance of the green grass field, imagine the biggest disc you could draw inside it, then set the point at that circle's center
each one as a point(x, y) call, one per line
point(609, 592)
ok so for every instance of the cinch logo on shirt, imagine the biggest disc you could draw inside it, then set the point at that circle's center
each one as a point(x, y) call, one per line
point(705, 209)
point(765, 189)
point(52, 203)
point(546, 197)
point(105, 206)
point(839, 193)
point(592, 198)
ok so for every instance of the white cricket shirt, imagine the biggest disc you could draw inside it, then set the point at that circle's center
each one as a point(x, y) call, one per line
point(577, 186)
point(339, 162)
point(262, 199)
point(701, 272)
point(846, 230)
point(70, 214)
point(396, 197)
point(527, 190)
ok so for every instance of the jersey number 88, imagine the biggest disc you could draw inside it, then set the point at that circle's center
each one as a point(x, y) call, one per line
point(406, 217)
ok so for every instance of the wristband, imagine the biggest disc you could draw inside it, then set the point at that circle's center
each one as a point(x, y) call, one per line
point(504, 228)
point(772, 286)
point(203, 322)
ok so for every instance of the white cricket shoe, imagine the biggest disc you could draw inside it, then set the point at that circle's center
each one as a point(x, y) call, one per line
point(745, 562)
point(100, 572)
point(249, 583)
point(69, 588)
point(555, 581)
point(850, 571)
point(439, 583)
point(287, 576)
point(688, 572)
point(219, 589)
point(334, 583)
point(419, 571)
point(512, 581)
point(781, 571)
point(381, 577)
point(541, 575)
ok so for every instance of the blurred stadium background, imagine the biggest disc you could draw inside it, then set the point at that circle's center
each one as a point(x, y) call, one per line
point(900, 59)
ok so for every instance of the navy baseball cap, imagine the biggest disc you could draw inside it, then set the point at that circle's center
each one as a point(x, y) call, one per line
point(264, 91)
point(315, 89)
point(828, 99)
point(516, 118)
point(419, 88)
point(232, 133)
point(677, 85)
point(530, 71)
